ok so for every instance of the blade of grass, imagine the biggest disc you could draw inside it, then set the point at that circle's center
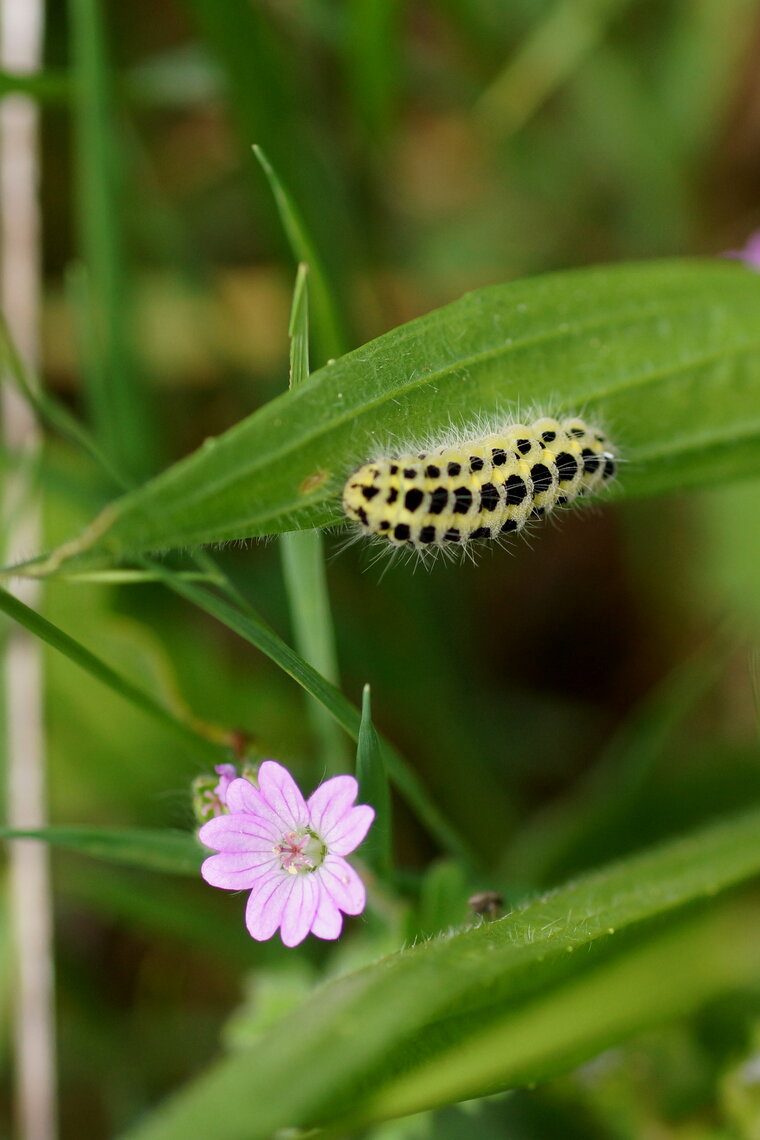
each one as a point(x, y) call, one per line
point(117, 398)
point(132, 577)
point(76, 652)
point(372, 60)
point(298, 328)
point(303, 565)
point(553, 50)
point(171, 852)
point(329, 333)
point(51, 411)
point(374, 790)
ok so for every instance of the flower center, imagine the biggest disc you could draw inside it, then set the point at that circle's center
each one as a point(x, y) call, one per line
point(300, 851)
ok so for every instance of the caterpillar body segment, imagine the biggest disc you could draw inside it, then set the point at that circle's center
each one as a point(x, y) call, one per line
point(481, 488)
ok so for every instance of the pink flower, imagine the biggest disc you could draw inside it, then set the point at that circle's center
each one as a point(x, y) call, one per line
point(289, 853)
point(750, 255)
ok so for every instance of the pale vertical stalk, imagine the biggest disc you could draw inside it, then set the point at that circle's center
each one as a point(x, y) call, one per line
point(303, 562)
point(21, 28)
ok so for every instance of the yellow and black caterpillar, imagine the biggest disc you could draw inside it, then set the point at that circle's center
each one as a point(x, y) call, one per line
point(484, 487)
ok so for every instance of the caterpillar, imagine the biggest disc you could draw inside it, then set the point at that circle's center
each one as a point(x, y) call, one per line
point(481, 488)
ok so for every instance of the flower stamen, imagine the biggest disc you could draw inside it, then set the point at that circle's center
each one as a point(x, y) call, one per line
point(300, 851)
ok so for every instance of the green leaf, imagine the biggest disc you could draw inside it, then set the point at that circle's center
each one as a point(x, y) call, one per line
point(665, 354)
point(328, 329)
point(373, 61)
point(85, 659)
point(298, 328)
point(172, 852)
point(303, 564)
point(554, 49)
point(117, 398)
point(374, 790)
point(49, 410)
point(501, 1004)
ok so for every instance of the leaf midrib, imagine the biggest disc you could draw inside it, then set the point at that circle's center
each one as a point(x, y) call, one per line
point(642, 381)
point(246, 471)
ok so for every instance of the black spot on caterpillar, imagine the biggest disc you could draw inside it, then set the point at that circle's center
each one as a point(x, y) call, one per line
point(480, 488)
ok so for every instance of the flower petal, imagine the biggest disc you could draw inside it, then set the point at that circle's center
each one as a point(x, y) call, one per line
point(243, 797)
point(238, 832)
point(266, 905)
point(350, 830)
point(226, 773)
point(343, 884)
point(280, 791)
point(330, 802)
point(328, 921)
point(300, 909)
point(236, 871)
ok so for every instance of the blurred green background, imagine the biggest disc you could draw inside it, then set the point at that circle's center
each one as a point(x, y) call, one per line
point(431, 148)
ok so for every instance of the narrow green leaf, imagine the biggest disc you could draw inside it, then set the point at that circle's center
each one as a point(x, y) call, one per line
point(514, 1000)
point(171, 852)
point(131, 577)
point(373, 61)
point(116, 395)
point(374, 790)
point(298, 329)
point(50, 410)
point(88, 661)
point(550, 54)
point(665, 354)
point(328, 330)
point(303, 563)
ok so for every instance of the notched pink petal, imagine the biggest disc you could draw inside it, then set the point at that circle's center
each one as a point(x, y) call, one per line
point(266, 905)
point(280, 791)
point(328, 921)
point(330, 802)
point(343, 884)
point(350, 830)
point(243, 797)
point(235, 872)
point(299, 910)
point(239, 832)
